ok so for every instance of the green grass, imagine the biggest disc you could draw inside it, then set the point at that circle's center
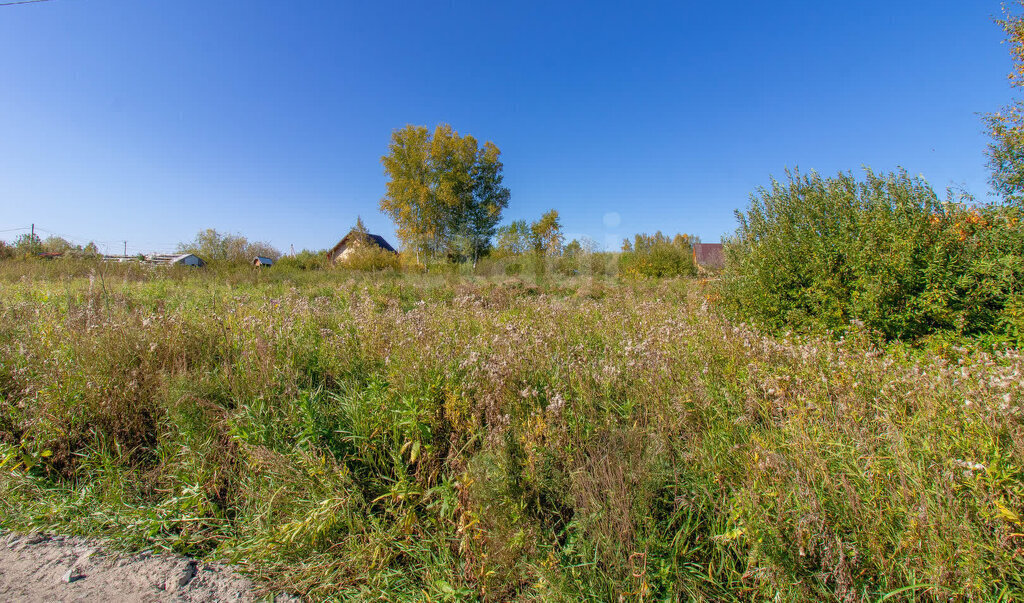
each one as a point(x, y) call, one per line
point(397, 437)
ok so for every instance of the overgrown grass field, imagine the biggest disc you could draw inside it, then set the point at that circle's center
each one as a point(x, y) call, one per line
point(415, 437)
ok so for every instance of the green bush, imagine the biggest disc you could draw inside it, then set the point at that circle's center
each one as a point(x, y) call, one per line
point(656, 256)
point(305, 260)
point(568, 265)
point(370, 258)
point(822, 253)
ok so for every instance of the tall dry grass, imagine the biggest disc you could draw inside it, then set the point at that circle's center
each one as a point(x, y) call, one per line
point(447, 438)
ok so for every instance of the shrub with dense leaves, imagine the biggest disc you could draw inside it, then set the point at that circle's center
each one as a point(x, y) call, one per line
point(305, 260)
point(656, 256)
point(885, 251)
point(370, 258)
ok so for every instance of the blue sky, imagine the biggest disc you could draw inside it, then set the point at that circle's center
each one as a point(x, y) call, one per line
point(148, 121)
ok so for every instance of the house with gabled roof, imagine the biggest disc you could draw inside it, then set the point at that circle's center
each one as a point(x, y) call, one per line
point(352, 240)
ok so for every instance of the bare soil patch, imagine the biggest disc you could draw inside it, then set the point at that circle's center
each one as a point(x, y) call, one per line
point(38, 567)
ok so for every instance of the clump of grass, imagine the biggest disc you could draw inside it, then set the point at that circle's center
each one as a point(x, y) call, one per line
point(450, 438)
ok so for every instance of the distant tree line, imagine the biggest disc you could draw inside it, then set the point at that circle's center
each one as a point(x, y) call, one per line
point(445, 194)
point(658, 256)
point(31, 245)
point(214, 246)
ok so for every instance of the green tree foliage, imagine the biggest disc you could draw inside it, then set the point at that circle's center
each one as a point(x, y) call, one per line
point(1006, 127)
point(360, 227)
point(304, 260)
point(539, 240)
point(55, 244)
point(220, 247)
point(28, 244)
point(822, 253)
point(444, 191)
point(6, 251)
point(360, 235)
point(514, 238)
point(547, 234)
point(656, 256)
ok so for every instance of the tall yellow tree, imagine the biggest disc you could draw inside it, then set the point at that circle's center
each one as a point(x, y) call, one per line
point(444, 191)
point(408, 199)
point(547, 233)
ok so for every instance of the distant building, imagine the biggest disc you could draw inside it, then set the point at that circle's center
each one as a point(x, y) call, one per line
point(709, 256)
point(350, 242)
point(183, 259)
point(262, 262)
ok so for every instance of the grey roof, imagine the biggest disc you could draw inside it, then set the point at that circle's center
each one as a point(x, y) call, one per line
point(379, 240)
point(375, 239)
point(171, 258)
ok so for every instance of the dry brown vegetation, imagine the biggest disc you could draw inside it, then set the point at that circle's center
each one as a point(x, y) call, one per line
point(418, 437)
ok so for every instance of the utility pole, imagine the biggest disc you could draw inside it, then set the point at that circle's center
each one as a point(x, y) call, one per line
point(33, 232)
point(126, 249)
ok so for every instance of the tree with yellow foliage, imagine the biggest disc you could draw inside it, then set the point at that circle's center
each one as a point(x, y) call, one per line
point(547, 234)
point(444, 191)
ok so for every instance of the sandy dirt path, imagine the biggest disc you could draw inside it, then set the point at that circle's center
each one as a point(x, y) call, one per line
point(55, 568)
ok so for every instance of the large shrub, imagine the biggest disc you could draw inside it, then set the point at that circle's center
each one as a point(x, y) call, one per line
point(305, 260)
point(370, 258)
point(822, 253)
point(656, 255)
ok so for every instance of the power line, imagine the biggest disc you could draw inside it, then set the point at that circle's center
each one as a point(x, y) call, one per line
point(145, 246)
point(137, 246)
point(22, 2)
point(67, 236)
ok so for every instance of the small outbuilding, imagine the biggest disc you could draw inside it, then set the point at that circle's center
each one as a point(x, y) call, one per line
point(262, 262)
point(182, 259)
point(709, 256)
point(351, 241)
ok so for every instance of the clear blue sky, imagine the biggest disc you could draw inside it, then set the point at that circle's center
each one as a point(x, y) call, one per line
point(149, 121)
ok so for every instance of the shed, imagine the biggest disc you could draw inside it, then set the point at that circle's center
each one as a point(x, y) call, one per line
point(350, 241)
point(709, 256)
point(183, 259)
point(262, 262)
